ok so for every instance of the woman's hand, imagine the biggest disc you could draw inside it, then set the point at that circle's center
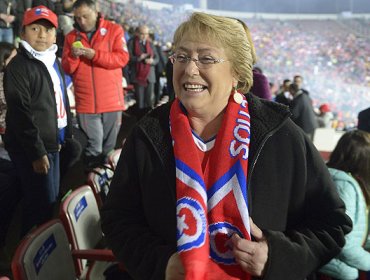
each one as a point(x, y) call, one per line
point(251, 255)
point(175, 269)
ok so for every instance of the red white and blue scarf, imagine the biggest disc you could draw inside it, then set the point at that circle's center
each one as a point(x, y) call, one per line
point(212, 204)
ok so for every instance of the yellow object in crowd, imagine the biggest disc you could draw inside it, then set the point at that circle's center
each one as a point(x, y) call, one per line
point(77, 44)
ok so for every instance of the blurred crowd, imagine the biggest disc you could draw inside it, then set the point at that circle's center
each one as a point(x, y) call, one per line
point(330, 54)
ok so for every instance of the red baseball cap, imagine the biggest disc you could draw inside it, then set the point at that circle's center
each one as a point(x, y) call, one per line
point(324, 108)
point(40, 12)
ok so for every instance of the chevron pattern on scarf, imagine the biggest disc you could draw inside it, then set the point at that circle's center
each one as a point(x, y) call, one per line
point(212, 204)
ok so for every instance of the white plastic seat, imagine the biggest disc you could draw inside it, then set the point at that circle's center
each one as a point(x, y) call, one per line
point(99, 180)
point(114, 157)
point(44, 254)
point(80, 216)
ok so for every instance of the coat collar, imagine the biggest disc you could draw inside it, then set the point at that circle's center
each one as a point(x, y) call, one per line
point(266, 117)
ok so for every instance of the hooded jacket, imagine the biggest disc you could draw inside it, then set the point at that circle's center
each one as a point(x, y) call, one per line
point(97, 82)
point(353, 256)
point(291, 197)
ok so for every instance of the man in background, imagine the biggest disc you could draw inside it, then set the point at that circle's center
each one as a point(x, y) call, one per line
point(302, 111)
point(143, 59)
point(298, 80)
point(364, 120)
point(94, 54)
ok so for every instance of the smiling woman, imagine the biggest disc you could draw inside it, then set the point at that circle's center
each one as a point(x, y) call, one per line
point(194, 172)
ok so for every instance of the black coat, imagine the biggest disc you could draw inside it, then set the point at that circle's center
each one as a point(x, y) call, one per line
point(31, 114)
point(303, 114)
point(291, 197)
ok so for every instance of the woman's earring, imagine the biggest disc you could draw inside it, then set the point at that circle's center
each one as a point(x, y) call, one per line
point(238, 97)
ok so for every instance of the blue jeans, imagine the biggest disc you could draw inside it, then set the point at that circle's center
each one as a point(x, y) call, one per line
point(39, 191)
point(6, 35)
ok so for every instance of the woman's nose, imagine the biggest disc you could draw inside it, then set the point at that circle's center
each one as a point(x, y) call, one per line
point(191, 68)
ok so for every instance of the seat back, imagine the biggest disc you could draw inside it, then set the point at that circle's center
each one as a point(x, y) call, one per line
point(325, 139)
point(44, 254)
point(114, 157)
point(99, 180)
point(80, 216)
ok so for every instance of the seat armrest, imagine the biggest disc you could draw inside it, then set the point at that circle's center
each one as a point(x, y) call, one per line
point(94, 255)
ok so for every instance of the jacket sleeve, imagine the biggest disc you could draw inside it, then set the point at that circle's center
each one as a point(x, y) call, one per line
point(119, 56)
point(124, 223)
point(155, 55)
point(18, 98)
point(131, 46)
point(69, 62)
point(316, 221)
point(338, 269)
point(352, 253)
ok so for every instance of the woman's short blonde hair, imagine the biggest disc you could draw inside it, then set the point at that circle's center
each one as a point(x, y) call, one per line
point(231, 34)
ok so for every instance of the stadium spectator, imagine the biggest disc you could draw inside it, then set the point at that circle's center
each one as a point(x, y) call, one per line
point(96, 67)
point(9, 186)
point(143, 60)
point(325, 117)
point(302, 111)
point(349, 166)
point(7, 20)
point(177, 164)
point(160, 71)
point(298, 80)
point(284, 96)
point(38, 119)
point(364, 120)
point(169, 77)
point(7, 52)
point(261, 86)
point(50, 4)
point(22, 6)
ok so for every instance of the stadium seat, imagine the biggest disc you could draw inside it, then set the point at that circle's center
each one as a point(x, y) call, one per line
point(99, 180)
point(325, 140)
point(80, 216)
point(114, 157)
point(45, 254)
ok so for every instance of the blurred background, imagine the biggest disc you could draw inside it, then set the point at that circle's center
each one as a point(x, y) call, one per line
point(327, 42)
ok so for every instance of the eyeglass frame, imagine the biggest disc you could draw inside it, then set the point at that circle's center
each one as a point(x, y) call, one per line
point(197, 62)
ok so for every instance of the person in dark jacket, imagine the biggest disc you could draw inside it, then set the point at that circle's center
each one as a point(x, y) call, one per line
point(7, 20)
point(302, 111)
point(364, 120)
point(38, 117)
point(218, 185)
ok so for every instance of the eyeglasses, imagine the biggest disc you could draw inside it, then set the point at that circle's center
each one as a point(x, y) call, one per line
point(202, 62)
